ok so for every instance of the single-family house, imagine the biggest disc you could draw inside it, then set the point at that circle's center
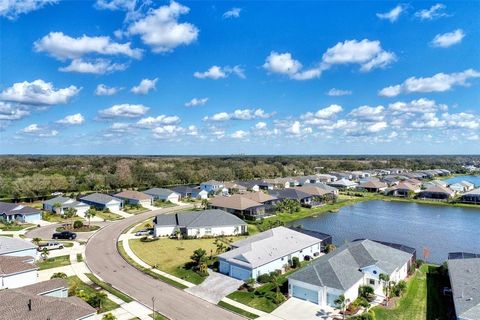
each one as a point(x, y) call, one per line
point(18, 212)
point(103, 201)
point(403, 189)
point(437, 192)
point(319, 195)
point(212, 186)
point(281, 183)
point(44, 300)
point(135, 197)
point(434, 183)
point(462, 186)
point(268, 251)
point(344, 270)
point(342, 175)
point(239, 206)
point(17, 247)
point(391, 180)
point(163, 194)
point(267, 200)
point(250, 185)
point(472, 197)
point(464, 275)
point(190, 192)
point(235, 187)
point(210, 223)
point(304, 198)
point(326, 178)
point(17, 271)
point(373, 186)
point(326, 187)
point(60, 204)
point(343, 184)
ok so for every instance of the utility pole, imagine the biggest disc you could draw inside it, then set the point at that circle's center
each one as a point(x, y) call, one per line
point(153, 308)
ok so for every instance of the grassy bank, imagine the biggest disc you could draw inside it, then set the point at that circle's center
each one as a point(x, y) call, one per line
point(109, 288)
point(237, 310)
point(422, 300)
point(84, 291)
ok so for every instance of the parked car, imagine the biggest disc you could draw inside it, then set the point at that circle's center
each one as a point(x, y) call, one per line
point(50, 246)
point(144, 232)
point(64, 235)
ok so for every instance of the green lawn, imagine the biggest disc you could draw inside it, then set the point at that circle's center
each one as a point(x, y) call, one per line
point(52, 217)
point(422, 300)
point(66, 244)
point(237, 310)
point(144, 225)
point(109, 288)
point(171, 255)
point(163, 204)
point(135, 210)
point(79, 257)
point(54, 262)
point(110, 216)
point(152, 274)
point(83, 290)
point(15, 226)
point(84, 228)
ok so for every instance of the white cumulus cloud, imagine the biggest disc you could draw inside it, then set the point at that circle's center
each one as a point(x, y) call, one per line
point(196, 102)
point(368, 114)
point(38, 92)
point(39, 131)
point(448, 39)
point(73, 119)
point(11, 9)
point(97, 66)
point(103, 90)
point(232, 13)
point(150, 122)
point(434, 12)
point(240, 114)
point(338, 92)
point(393, 14)
point(161, 30)
point(145, 86)
point(283, 63)
point(239, 134)
point(124, 111)
point(440, 82)
point(217, 72)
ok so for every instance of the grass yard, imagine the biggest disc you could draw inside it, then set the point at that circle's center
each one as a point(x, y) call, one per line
point(84, 291)
point(163, 204)
point(171, 255)
point(144, 225)
point(84, 228)
point(54, 262)
point(110, 216)
point(237, 310)
point(422, 300)
point(66, 244)
point(15, 226)
point(107, 287)
point(135, 210)
point(52, 217)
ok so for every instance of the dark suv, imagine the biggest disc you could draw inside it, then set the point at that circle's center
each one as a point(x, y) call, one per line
point(64, 235)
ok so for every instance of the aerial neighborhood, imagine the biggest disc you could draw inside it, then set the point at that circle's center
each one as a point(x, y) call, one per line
point(236, 244)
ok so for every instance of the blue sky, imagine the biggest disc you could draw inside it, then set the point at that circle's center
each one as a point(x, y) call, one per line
point(150, 77)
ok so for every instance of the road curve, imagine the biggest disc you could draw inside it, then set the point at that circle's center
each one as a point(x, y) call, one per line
point(104, 260)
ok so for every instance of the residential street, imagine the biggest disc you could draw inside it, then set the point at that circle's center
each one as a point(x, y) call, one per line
point(46, 232)
point(104, 260)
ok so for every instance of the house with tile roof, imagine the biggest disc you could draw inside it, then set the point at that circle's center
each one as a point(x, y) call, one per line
point(268, 251)
point(135, 197)
point(464, 272)
point(239, 206)
point(344, 270)
point(373, 186)
point(437, 192)
point(198, 224)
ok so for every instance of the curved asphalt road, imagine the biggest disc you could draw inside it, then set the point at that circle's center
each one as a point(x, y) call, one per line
point(104, 260)
point(46, 232)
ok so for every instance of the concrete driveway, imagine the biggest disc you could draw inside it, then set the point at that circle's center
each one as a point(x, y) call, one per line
point(46, 232)
point(299, 309)
point(215, 287)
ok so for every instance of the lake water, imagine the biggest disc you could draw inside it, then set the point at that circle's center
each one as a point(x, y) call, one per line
point(473, 179)
point(440, 229)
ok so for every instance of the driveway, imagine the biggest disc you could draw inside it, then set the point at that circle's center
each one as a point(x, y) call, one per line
point(104, 260)
point(46, 232)
point(215, 287)
point(299, 309)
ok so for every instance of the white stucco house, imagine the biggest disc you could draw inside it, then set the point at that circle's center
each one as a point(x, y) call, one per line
point(17, 272)
point(17, 247)
point(266, 252)
point(163, 194)
point(18, 212)
point(65, 203)
point(198, 224)
point(347, 268)
point(212, 186)
point(134, 197)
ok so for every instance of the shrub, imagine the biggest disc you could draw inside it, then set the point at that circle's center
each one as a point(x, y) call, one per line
point(295, 262)
point(307, 258)
point(399, 288)
point(264, 278)
point(77, 224)
point(367, 292)
point(58, 275)
point(419, 263)
point(364, 316)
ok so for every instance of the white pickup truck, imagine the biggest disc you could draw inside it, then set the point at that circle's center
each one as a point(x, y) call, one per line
point(50, 246)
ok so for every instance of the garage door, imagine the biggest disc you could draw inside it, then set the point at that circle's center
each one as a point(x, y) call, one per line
point(240, 273)
point(113, 207)
point(305, 294)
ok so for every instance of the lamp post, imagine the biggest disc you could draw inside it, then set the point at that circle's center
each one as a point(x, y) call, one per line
point(153, 308)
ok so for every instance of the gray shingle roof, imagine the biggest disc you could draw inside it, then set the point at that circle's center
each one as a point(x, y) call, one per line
point(340, 269)
point(289, 193)
point(198, 219)
point(159, 192)
point(9, 245)
point(16, 208)
point(465, 281)
point(268, 246)
point(65, 201)
point(100, 198)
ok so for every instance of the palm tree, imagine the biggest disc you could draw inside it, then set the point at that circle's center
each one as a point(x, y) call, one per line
point(45, 253)
point(385, 279)
point(36, 241)
point(89, 214)
point(341, 303)
point(204, 204)
point(275, 283)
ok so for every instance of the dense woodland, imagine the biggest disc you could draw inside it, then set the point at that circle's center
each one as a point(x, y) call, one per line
point(32, 177)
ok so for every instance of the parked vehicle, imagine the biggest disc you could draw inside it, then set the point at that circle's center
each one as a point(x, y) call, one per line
point(50, 246)
point(64, 235)
point(144, 232)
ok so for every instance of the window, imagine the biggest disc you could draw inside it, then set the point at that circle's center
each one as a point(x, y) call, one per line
point(208, 230)
point(374, 271)
point(372, 282)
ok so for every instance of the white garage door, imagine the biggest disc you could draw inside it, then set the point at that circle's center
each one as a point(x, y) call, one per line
point(305, 294)
point(240, 273)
